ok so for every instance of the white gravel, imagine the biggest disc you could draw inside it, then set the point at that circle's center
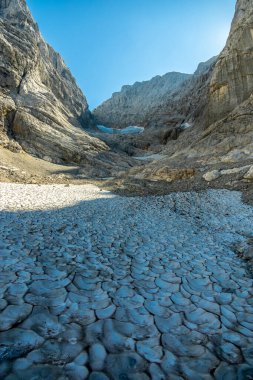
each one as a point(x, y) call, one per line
point(99, 286)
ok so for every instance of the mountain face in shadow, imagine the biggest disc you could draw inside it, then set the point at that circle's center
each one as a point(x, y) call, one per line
point(42, 107)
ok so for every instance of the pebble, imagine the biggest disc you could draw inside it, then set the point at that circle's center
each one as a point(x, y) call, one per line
point(169, 363)
point(97, 356)
point(152, 354)
point(122, 366)
point(76, 372)
point(106, 313)
point(230, 353)
point(178, 347)
point(17, 342)
point(166, 325)
point(14, 314)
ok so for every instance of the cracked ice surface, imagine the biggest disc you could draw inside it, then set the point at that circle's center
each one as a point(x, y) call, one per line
point(98, 286)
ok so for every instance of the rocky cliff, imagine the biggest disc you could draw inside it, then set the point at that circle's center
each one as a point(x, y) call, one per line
point(134, 105)
point(226, 128)
point(163, 101)
point(216, 100)
point(232, 79)
point(41, 106)
point(219, 103)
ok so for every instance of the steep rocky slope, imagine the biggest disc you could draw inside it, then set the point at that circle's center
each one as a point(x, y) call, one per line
point(232, 79)
point(226, 129)
point(134, 104)
point(217, 101)
point(41, 107)
point(162, 101)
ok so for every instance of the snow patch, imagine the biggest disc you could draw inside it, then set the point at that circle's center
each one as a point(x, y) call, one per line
point(125, 131)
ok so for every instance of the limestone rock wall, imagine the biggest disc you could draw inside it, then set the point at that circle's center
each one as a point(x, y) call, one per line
point(49, 109)
point(135, 105)
point(232, 79)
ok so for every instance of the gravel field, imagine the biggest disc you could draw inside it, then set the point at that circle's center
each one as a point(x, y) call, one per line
point(97, 286)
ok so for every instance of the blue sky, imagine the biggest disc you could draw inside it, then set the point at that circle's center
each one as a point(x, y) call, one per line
point(109, 43)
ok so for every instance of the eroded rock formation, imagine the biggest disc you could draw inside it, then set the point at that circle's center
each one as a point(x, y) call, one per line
point(163, 101)
point(226, 131)
point(135, 104)
point(232, 79)
point(41, 106)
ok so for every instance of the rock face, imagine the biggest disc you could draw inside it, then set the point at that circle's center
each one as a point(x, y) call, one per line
point(41, 106)
point(232, 79)
point(226, 130)
point(217, 101)
point(164, 100)
point(135, 104)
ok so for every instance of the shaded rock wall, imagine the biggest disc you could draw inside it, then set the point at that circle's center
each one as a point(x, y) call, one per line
point(232, 79)
point(48, 108)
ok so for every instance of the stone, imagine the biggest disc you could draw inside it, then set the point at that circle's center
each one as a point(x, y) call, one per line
point(235, 338)
point(199, 317)
point(82, 359)
point(230, 353)
point(125, 365)
point(43, 323)
point(225, 372)
point(178, 299)
point(228, 314)
point(14, 314)
point(166, 325)
point(113, 340)
point(249, 174)
point(212, 175)
point(202, 365)
point(224, 298)
point(18, 342)
point(60, 352)
point(150, 353)
point(156, 372)
point(209, 306)
point(124, 291)
point(21, 364)
point(178, 347)
point(169, 362)
point(97, 355)
point(106, 313)
point(15, 293)
point(76, 372)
